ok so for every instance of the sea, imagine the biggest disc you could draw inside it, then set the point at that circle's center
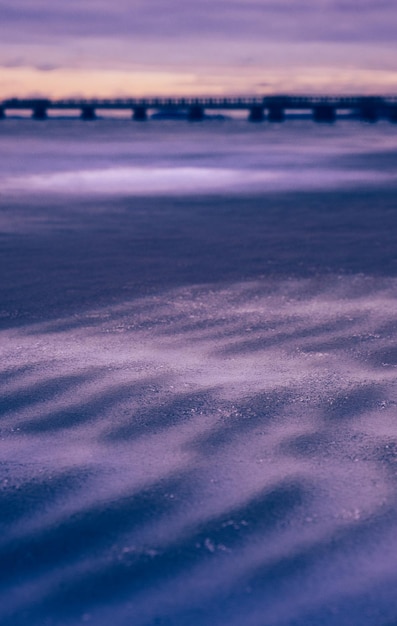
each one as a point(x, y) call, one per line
point(198, 362)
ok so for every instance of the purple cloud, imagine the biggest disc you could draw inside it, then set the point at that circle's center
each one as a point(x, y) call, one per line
point(285, 20)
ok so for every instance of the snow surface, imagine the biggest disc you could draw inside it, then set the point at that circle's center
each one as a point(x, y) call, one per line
point(198, 391)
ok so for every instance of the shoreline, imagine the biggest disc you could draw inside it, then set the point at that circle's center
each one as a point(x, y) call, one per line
point(58, 258)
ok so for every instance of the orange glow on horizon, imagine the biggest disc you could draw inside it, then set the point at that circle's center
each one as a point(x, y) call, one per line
point(60, 83)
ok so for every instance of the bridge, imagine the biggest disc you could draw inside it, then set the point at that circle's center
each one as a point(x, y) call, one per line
point(271, 108)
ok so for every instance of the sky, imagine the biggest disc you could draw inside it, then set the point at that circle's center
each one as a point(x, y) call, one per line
point(135, 48)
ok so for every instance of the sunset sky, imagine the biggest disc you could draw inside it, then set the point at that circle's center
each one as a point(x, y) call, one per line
point(149, 47)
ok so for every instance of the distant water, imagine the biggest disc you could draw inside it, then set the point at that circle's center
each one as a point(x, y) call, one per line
point(121, 157)
point(198, 361)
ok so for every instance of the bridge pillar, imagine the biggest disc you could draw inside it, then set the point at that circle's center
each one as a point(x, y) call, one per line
point(39, 111)
point(88, 113)
point(195, 113)
point(276, 113)
point(139, 114)
point(369, 111)
point(2, 113)
point(392, 113)
point(369, 114)
point(324, 113)
point(256, 113)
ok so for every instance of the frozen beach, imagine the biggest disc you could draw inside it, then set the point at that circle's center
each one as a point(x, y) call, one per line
point(198, 353)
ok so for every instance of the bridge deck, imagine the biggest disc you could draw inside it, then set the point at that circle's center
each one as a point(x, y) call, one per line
point(272, 108)
point(285, 102)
